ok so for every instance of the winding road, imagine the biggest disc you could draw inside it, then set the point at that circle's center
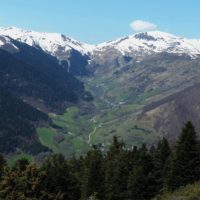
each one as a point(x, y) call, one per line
point(94, 130)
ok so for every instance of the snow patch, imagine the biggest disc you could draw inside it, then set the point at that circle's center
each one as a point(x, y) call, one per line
point(49, 42)
point(144, 43)
point(153, 42)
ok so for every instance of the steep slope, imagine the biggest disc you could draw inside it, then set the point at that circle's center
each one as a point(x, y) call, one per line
point(168, 115)
point(37, 77)
point(6, 43)
point(31, 81)
point(162, 74)
point(75, 56)
point(121, 92)
point(17, 126)
point(72, 54)
point(49, 42)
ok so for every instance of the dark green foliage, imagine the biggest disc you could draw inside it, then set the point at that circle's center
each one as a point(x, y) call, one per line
point(32, 80)
point(116, 171)
point(185, 164)
point(118, 174)
point(17, 125)
point(137, 183)
point(38, 77)
point(93, 174)
point(160, 158)
point(58, 179)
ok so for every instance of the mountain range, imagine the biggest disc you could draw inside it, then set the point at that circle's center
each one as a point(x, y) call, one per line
point(140, 87)
point(144, 43)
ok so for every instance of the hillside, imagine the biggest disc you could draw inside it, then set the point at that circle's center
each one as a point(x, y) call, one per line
point(72, 55)
point(133, 81)
point(39, 78)
point(17, 126)
point(35, 84)
point(179, 107)
point(124, 90)
point(138, 173)
point(188, 192)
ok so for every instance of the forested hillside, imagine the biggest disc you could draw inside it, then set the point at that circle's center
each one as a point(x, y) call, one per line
point(137, 173)
point(38, 78)
point(17, 125)
point(33, 83)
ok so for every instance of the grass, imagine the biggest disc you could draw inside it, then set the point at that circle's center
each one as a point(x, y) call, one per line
point(130, 130)
point(146, 95)
point(13, 159)
point(75, 129)
point(46, 136)
point(111, 118)
point(72, 121)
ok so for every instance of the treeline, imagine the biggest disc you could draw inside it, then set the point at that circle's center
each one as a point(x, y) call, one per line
point(119, 174)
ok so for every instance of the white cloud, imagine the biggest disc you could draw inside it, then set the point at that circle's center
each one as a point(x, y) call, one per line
point(139, 25)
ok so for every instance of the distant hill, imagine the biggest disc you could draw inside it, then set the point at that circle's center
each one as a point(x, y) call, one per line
point(169, 114)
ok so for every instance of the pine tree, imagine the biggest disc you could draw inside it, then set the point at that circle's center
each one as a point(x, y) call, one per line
point(145, 161)
point(185, 165)
point(58, 179)
point(160, 158)
point(116, 171)
point(93, 174)
point(137, 183)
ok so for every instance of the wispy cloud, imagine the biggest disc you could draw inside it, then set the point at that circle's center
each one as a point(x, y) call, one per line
point(139, 25)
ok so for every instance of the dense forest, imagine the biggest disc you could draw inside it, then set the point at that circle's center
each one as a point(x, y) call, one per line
point(139, 173)
point(35, 74)
point(17, 125)
point(33, 83)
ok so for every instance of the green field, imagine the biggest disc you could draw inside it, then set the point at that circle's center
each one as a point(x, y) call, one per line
point(68, 134)
point(46, 135)
point(111, 113)
point(80, 131)
point(116, 112)
point(13, 159)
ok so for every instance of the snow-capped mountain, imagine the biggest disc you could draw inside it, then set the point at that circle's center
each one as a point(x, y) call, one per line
point(53, 43)
point(73, 55)
point(7, 44)
point(137, 45)
point(147, 43)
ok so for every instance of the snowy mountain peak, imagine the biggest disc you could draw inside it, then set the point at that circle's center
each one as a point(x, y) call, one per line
point(139, 44)
point(146, 43)
point(50, 42)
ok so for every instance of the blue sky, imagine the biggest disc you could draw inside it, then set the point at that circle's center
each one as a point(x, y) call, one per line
point(95, 21)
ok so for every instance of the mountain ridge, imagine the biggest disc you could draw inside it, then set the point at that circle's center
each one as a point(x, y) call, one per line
point(146, 42)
